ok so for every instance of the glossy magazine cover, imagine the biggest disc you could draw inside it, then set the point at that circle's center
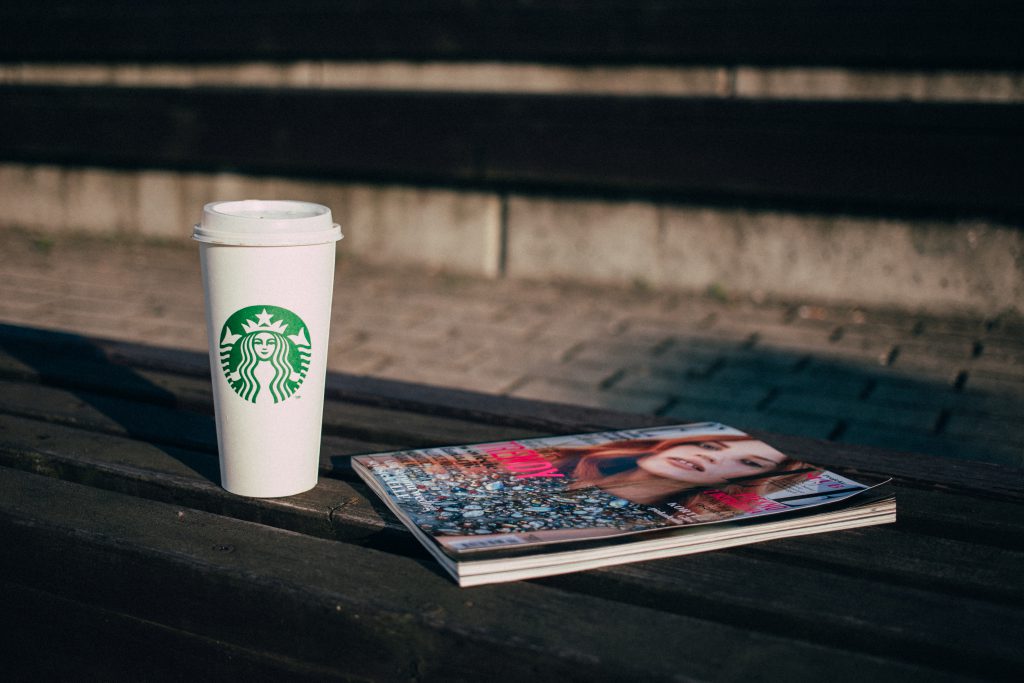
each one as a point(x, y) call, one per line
point(498, 496)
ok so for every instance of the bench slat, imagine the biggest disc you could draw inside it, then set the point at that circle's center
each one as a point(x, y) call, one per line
point(220, 578)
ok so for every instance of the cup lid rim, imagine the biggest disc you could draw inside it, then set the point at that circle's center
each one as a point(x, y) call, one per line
point(259, 222)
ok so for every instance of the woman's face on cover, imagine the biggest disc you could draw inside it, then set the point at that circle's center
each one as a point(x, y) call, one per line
point(264, 344)
point(712, 462)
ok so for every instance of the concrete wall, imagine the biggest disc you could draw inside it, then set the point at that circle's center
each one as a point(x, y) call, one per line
point(921, 264)
point(929, 265)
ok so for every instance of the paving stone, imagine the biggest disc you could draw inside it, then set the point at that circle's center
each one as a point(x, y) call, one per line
point(756, 360)
point(692, 330)
point(691, 411)
point(908, 417)
point(629, 353)
point(819, 316)
point(760, 314)
point(952, 325)
point(54, 286)
point(990, 368)
point(421, 374)
point(356, 361)
point(499, 353)
point(463, 336)
point(844, 378)
point(696, 390)
point(979, 449)
point(1002, 350)
point(854, 350)
point(19, 311)
point(103, 307)
point(942, 370)
point(178, 336)
point(902, 393)
point(593, 375)
point(390, 325)
point(1006, 326)
point(874, 344)
point(937, 349)
point(785, 335)
point(1003, 358)
point(678, 366)
point(922, 394)
point(646, 354)
point(456, 354)
point(563, 392)
point(989, 427)
point(995, 385)
point(595, 324)
point(849, 387)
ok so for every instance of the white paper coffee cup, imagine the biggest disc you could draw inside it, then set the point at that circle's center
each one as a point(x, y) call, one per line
point(268, 279)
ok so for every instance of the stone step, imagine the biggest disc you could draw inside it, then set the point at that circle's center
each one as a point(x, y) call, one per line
point(932, 265)
point(960, 34)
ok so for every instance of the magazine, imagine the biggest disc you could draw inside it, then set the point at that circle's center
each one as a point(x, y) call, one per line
point(521, 509)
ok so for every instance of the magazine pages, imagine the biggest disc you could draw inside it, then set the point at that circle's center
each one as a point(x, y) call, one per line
point(534, 507)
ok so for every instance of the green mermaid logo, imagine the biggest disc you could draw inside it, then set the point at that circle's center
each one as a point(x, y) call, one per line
point(265, 351)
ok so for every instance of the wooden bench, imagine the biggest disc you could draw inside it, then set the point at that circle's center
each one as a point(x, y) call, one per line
point(123, 558)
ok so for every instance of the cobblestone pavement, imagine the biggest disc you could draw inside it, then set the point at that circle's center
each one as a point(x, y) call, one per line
point(947, 386)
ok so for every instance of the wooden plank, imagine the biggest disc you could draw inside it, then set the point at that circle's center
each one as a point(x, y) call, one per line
point(987, 479)
point(903, 157)
point(52, 638)
point(333, 509)
point(897, 556)
point(112, 396)
point(828, 608)
point(897, 34)
point(957, 566)
point(367, 613)
point(957, 516)
point(153, 423)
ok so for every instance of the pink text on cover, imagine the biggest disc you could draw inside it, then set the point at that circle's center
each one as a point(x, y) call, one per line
point(525, 462)
point(746, 502)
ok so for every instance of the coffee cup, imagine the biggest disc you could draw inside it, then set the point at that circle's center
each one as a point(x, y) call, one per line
point(268, 279)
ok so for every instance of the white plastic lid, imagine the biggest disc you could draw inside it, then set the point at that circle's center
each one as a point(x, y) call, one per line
point(266, 223)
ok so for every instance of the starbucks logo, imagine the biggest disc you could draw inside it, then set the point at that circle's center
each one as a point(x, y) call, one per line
point(265, 352)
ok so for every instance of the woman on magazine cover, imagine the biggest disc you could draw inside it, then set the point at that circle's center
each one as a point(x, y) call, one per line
point(680, 470)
